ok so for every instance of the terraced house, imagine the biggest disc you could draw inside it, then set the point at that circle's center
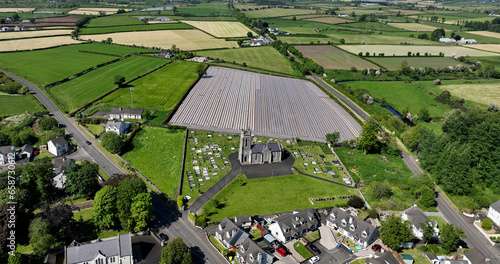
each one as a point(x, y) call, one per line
point(357, 230)
point(293, 225)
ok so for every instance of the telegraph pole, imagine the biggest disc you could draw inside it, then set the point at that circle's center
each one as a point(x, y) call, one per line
point(132, 96)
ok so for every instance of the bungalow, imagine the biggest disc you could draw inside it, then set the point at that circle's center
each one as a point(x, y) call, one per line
point(382, 258)
point(344, 15)
point(125, 113)
point(58, 146)
point(417, 218)
point(357, 230)
point(9, 20)
point(25, 21)
point(293, 225)
point(494, 212)
point(165, 54)
point(5, 152)
point(25, 151)
point(162, 18)
point(110, 250)
point(60, 167)
point(476, 257)
point(118, 127)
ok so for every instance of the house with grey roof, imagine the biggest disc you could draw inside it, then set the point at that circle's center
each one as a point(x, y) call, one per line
point(433, 259)
point(125, 113)
point(58, 146)
point(244, 221)
point(350, 226)
point(293, 225)
point(227, 231)
point(417, 219)
point(60, 167)
point(382, 258)
point(474, 256)
point(493, 212)
point(25, 151)
point(455, 261)
point(258, 153)
point(5, 152)
point(119, 127)
point(250, 253)
point(111, 250)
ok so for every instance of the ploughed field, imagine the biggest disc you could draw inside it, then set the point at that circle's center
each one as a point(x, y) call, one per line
point(229, 100)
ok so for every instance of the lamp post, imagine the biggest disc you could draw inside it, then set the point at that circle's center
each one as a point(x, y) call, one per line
point(132, 96)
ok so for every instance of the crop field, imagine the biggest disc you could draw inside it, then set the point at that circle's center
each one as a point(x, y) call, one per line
point(330, 20)
point(486, 34)
point(412, 26)
point(60, 19)
point(33, 34)
point(488, 47)
point(218, 18)
point(94, 11)
point(144, 27)
point(228, 100)
point(221, 29)
point(184, 39)
point(162, 89)
point(82, 90)
point(157, 154)
point(14, 9)
point(333, 58)
point(481, 93)
point(18, 104)
point(378, 39)
point(108, 21)
point(298, 26)
point(277, 12)
point(395, 63)
point(39, 43)
point(402, 50)
point(51, 65)
point(266, 58)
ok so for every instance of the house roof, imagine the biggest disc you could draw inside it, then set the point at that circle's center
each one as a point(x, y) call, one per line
point(273, 147)
point(126, 111)
point(338, 216)
point(297, 221)
point(114, 124)
point(60, 165)
point(228, 226)
point(7, 149)
point(27, 148)
point(120, 245)
point(239, 220)
point(496, 206)
point(416, 216)
point(476, 257)
point(59, 141)
point(382, 258)
point(431, 256)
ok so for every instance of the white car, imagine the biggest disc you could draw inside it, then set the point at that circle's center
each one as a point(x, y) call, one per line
point(314, 259)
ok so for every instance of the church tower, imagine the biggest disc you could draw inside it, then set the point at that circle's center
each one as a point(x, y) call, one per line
point(245, 152)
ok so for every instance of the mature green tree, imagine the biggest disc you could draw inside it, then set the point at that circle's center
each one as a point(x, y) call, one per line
point(38, 179)
point(48, 123)
point(451, 237)
point(356, 202)
point(333, 138)
point(4, 139)
point(424, 115)
point(126, 191)
point(200, 70)
point(427, 231)
point(82, 179)
point(487, 224)
point(413, 136)
point(368, 140)
point(176, 252)
point(112, 142)
point(141, 211)
point(249, 34)
point(381, 189)
point(105, 208)
point(60, 218)
point(119, 80)
point(395, 232)
point(40, 237)
point(427, 197)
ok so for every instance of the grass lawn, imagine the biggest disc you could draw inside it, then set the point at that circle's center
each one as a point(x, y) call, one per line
point(44, 154)
point(157, 154)
point(359, 261)
point(96, 130)
point(111, 233)
point(82, 90)
point(439, 220)
point(266, 58)
point(14, 104)
point(297, 27)
point(103, 174)
point(301, 249)
point(112, 49)
point(216, 243)
point(86, 214)
point(313, 236)
point(238, 198)
point(144, 27)
point(398, 94)
point(255, 233)
point(161, 90)
point(487, 60)
point(418, 256)
point(107, 21)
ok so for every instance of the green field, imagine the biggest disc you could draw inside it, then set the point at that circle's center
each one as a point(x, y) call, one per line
point(82, 90)
point(150, 27)
point(116, 49)
point(162, 89)
point(157, 154)
point(392, 63)
point(276, 12)
point(261, 196)
point(266, 58)
point(487, 60)
point(414, 95)
point(206, 9)
point(108, 21)
point(13, 104)
point(297, 27)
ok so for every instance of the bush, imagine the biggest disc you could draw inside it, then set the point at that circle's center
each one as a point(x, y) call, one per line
point(373, 213)
point(48, 123)
point(356, 202)
point(112, 142)
point(487, 224)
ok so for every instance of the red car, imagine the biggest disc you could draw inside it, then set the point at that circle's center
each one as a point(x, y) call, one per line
point(377, 247)
point(281, 251)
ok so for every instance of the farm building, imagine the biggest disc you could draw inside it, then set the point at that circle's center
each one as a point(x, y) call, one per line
point(467, 41)
point(447, 40)
point(258, 153)
point(165, 54)
point(125, 113)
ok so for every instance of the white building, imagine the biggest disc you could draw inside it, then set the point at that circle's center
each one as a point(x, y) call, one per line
point(447, 40)
point(350, 226)
point(58, 146)
point(494, 212)
point(118, 127)
point(293, 225)
point(4, 152)
point(25, 151)
point(467, 41)
point(417, 218)
point(60, 167)
point(107, 251)
point(125, 113)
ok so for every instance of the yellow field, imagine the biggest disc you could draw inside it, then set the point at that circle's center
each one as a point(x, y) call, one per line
point(486, 34)
point(39, 43)
point(406, 12)
point(221, 29)
point(183, 39)
point(32, 34)
point(402, 50)
point(277, 12)
point(412, 26)
point(330, 20)
point(487, 47)
point(94, 11)
point(481, 93)
point(14, 9)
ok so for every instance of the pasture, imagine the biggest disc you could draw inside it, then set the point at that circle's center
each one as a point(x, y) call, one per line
point(17, 104)
point(329, 20)
point(51, 65)
point(221, 29)
point(484, 93)
point(162, 89)
point(143, 27)
point(157, 154)
point(206, 9)
point(277, 12)
point(230, 100)
point(393, 63)
point(39, 43)
point(296, 27)
point(413, 26)
point(82, 90)
point(33, 34)
point(402, 50)
point(183, 39)
point(333, 58)
point(266, 58)
point(108, 21)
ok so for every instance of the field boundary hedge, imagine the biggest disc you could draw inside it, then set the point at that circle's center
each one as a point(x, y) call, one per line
point(183, 161)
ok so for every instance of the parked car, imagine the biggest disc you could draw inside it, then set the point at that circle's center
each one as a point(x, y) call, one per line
point(163, 236)
point(376, 247)
point(314, 259)
point(281, 251)
point(315, 249)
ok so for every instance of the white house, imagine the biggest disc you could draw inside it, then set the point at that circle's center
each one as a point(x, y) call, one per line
point(125, 113)
point(417, 218)
point(357, 230)
point(25, 151)
point(58, 146)
point(118, 127)
point(60, 167)
point(293, 225)
point(494, 212)
point(5, 151)
point(111, 250)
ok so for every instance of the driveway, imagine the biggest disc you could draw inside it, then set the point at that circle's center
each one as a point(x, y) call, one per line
point(333, 256)
point(146, 249)
point(327, 239)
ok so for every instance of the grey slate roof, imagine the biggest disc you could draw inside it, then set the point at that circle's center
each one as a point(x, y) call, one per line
point(249, 247)
point(60, 165)
point(6, 149)
point(496, 206)
point(431, 256)
point(120, 245)
point(273, 147)
point(416, 216)
point(126, 111)
point(476, 257)
point(382, 258)
point(336, 216)
point(240, 220)
point(27, 148)
point(225, 226)
point(297, 221)
point(59, 141)
point(113, 124)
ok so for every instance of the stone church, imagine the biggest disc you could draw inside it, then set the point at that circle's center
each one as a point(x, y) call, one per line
point(258, 153)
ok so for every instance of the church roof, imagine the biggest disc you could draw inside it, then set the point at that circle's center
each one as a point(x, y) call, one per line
point(273, 147)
